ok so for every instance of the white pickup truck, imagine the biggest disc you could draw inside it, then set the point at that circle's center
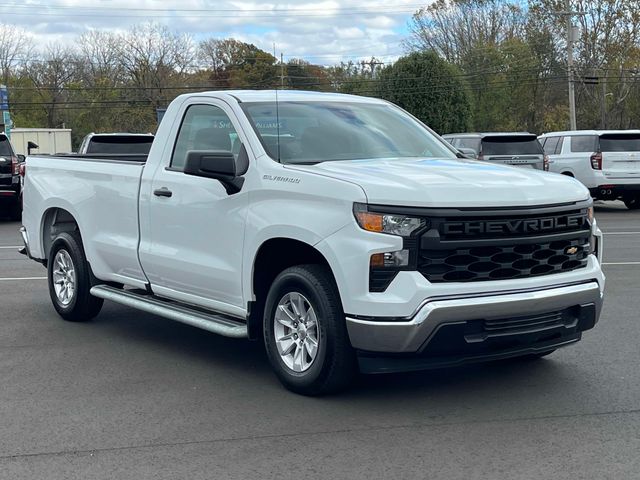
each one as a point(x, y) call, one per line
point(337, 229)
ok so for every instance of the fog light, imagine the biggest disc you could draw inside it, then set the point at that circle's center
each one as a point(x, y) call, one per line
point(399, 258)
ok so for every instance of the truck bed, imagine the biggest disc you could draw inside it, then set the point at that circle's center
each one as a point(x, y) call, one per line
point(102, 194)
point(109, 157)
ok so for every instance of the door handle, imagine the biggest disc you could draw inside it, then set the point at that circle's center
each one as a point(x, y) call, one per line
point(163, 192)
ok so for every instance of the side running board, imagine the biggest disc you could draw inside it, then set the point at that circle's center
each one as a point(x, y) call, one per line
point(216, 323)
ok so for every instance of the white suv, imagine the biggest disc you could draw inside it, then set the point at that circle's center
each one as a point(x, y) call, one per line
point(607, 162)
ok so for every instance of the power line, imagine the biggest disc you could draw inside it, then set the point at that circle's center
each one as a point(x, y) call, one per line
point(44, 10)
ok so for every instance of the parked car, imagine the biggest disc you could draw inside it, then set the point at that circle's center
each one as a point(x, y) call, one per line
point(343, 234)
point(116, 143)
point(10, 183)
point(520, 149)
point(607, 162)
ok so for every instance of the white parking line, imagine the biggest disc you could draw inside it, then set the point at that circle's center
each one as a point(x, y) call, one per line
point(621, 233)
point(620, 263)
point(9, 279)
point(10, 246)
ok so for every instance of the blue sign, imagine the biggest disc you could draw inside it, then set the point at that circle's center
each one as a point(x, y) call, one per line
point(4, 98)
point(8, 124)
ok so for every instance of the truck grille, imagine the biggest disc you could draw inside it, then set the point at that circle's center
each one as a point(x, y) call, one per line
point(500, 263)
point(495, 247)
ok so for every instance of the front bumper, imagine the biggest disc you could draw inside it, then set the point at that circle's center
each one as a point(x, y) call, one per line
point(576, 306)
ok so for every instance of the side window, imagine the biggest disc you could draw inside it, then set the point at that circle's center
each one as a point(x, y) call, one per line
point(204, 127)
point(583, 143)
point(551, 145)
point(473, 143)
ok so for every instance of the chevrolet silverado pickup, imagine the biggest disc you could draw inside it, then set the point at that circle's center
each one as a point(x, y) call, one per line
point(337, 229)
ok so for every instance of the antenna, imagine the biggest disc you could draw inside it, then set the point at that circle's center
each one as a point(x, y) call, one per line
point(277, 107)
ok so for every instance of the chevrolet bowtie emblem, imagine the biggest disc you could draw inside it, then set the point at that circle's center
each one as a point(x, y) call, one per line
point(571, 250)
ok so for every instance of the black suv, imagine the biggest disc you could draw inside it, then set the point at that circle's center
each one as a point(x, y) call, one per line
point(10, 185)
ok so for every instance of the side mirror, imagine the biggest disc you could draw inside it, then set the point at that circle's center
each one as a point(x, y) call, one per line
point(468, 152)
point(219, 165)
point(31, 146)
point(21, 157)
point(210, 164)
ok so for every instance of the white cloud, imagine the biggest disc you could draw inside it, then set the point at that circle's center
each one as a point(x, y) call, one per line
point(320, 31)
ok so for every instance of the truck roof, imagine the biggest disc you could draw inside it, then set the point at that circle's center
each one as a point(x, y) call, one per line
point(588, 132)
point(287, 96)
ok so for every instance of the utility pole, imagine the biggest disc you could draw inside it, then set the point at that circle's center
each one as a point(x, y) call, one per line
point(372, 64)
point(572, 90)
point(571, 37)
point(603, 102)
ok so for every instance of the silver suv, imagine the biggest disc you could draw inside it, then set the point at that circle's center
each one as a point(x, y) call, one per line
point(607, 162)
point(516, 148)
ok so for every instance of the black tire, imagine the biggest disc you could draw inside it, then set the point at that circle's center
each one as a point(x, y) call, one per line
point(334, 366)
point(632, 203)
point(81, 306)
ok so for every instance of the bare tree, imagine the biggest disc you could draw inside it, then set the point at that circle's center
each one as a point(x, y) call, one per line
point(15, 48)
point(100, 55)
point(51, 76)
point(454, 28)
point(155, 58)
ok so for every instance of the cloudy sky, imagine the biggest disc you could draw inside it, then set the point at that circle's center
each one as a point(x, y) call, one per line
point(322, 32)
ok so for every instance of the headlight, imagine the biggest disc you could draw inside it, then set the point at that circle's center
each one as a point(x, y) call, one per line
point(393, 224)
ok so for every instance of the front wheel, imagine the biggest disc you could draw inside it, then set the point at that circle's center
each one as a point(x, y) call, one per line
point(632, 203)
point(305, 333)
point(70, 280)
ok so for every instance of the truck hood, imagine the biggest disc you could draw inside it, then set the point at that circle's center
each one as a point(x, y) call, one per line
point(432, 182)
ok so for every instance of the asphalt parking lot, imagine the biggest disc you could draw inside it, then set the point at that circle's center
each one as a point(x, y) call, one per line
point(130, 395)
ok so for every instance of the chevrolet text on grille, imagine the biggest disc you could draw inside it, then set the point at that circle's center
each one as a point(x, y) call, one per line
point(515, 226)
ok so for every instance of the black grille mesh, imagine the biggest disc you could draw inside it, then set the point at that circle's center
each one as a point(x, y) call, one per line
point(468, 264)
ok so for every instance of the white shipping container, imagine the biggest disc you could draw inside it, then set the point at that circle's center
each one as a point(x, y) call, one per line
point(50, 140)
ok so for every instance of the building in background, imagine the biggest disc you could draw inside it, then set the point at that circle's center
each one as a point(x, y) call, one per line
point(49, 140)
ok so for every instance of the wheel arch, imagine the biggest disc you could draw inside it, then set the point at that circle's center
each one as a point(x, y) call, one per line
point(272, 257)
point(56, 220)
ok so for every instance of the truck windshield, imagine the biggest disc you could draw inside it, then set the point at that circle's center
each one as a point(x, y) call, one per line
point(313, 132)
point(620, 142)
point(120, 144)
point(511, 145)
point(5, 147)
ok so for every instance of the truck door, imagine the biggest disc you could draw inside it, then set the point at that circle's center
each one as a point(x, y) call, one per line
point(192, 230)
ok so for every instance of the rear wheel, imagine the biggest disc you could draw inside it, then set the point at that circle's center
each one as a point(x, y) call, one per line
point(70, 280)
point(632, 203)
point(305, 333)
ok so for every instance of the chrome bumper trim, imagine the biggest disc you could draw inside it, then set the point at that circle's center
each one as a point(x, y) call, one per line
point(408, 336)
